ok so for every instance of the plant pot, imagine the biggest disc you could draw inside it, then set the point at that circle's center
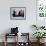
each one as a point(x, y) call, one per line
point(40, 41)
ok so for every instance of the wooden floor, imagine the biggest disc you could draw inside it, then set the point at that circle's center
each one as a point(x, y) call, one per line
point(13, 44)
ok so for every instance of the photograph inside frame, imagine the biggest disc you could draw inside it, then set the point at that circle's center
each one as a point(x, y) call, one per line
point(18, 12)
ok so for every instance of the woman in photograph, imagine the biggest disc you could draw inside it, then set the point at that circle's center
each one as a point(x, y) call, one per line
point(21, 13)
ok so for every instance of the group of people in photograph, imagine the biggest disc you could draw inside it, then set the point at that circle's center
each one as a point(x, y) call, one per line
point(20, 13)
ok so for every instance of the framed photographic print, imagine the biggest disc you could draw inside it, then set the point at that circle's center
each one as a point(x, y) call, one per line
point(18, 13)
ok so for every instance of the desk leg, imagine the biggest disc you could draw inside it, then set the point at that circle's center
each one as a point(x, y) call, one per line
point(5, 40)
point(5, 43)
point(17, 40)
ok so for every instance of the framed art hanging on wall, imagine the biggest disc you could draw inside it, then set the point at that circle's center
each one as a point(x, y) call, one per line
point(18, 13)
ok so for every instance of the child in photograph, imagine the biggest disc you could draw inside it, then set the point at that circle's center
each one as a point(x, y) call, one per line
point(14, 13)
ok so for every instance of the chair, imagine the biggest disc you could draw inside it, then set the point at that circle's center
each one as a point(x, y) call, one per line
point(25, 36)
point(7, 35)
point(14, 32)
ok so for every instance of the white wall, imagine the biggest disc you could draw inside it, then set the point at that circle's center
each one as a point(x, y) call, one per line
point(24, 25)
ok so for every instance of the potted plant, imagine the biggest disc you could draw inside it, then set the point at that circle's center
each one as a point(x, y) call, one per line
point(39, 35)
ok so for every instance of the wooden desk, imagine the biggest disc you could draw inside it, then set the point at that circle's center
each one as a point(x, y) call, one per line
point(8, 34)
point(17, 43)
